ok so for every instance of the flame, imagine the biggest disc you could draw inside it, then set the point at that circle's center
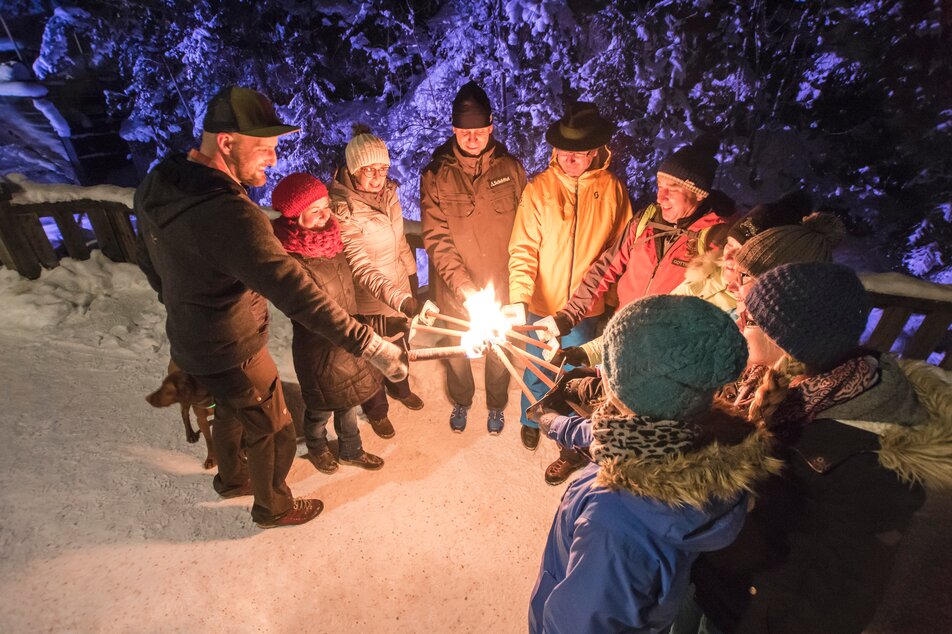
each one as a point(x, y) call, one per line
point(488, 325)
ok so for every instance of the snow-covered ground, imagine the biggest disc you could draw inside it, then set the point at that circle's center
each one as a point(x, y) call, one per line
point(108, 523)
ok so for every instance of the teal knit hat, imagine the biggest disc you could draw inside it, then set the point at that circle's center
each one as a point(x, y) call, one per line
point(666, 355)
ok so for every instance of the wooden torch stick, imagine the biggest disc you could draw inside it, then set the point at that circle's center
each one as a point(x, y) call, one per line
point(452, 320)
point(438, 331)
point(531, 358)
point(539, 373)
point(431, 354)
point(529, 340)
point(522, 384)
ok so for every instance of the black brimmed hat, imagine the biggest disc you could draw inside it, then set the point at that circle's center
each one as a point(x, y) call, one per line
point(580, 130)
point(244, 111)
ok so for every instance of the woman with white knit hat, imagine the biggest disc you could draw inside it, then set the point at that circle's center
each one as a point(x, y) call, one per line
point(367, 207)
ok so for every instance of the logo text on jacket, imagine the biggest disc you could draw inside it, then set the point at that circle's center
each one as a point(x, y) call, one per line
point(499, 181)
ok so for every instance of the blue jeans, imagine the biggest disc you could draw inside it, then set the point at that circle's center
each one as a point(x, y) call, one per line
point(583, 332)
point(349, 446)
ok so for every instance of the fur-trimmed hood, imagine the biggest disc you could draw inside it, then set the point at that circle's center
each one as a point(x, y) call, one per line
point(922, 454)
point(718, 470)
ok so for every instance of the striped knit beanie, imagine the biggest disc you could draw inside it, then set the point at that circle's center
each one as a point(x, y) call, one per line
point(693, 166)
point(811, 241)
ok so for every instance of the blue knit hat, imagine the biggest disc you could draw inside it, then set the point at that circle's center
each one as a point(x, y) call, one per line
point(666, 355)
point(815, 311)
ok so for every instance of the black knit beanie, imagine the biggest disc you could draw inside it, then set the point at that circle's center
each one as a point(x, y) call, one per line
point(693, 166)
point(790, 209)
point(471, 108)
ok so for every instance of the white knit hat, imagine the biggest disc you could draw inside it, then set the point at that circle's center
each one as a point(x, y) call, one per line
point(365, 149)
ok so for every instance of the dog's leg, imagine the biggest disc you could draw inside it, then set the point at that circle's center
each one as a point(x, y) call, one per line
point(190, 434)
point(201, 415)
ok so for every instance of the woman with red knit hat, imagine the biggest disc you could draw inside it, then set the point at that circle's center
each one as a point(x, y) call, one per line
point(332, 380)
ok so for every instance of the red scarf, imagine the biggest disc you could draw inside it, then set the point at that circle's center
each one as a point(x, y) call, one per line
point(311, 243)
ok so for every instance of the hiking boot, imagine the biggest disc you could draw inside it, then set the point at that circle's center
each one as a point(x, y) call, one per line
point(411, 401)
point(382, 427)
point(304, 510)
point(233, 492)
point(495, 422)
point(325, 462)
point(458, 418)
point(365, 460)
point(568, 462)
point(530, 437)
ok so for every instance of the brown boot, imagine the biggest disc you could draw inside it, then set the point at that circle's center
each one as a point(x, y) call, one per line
point(529, 437)
point(366, 461)
point(304, 510)
point(382, 427)
point(568, 462)
point(325, 462)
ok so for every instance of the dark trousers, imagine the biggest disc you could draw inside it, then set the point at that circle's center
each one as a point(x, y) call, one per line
point(461, 387)
point(249, 403)
point(377, 406)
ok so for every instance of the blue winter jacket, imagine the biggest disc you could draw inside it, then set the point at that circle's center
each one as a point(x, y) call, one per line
point(620, 562)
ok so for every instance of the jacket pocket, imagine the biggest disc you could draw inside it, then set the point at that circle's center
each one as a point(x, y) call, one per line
point(261, 414)
point(504, 200)
point(457, 205)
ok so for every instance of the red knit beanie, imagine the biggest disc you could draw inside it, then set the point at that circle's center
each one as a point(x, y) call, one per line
point(295, 193)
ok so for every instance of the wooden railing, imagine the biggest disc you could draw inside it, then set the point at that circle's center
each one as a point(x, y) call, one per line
point(893, 294)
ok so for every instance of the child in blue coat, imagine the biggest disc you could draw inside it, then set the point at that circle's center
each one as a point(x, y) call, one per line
point(670, 475)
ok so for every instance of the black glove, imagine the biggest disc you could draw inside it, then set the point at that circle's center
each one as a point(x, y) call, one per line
point(414, 284)
point(395, 325)
point(573, 355)
point(410, 306)
point(564, 322)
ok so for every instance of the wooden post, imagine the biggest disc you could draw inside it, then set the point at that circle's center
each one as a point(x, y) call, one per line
point(15, 251)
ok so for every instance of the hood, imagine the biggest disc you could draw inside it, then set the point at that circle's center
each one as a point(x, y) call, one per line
point(177, 185)
point(720, 470)
point(891, 400)
point(600, 163)
point(922, 454)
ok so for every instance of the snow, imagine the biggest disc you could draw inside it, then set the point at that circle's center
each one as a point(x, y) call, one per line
point(905, 286)
point(110, 523)
point(22, 89)
point(31, 192)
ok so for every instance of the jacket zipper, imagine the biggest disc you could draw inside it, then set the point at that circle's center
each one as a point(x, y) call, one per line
point(568, 290)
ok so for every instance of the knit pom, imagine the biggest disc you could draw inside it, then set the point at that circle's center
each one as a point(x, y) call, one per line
point(359, 128)
point(827, 225)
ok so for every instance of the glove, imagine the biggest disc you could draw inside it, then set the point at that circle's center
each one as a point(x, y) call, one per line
point(564, 322)
point(551, 328)
point(573, 355)
point(515, 313)
point(387, 357)
point(395, 325)
point(542, 414)
point(414, 284)
point(410, 306)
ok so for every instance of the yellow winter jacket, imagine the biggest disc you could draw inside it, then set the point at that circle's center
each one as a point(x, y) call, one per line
point(562, 226)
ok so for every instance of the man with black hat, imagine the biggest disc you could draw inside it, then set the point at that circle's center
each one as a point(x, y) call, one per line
point(568, 215)
point(468, 198)
point(211, 255)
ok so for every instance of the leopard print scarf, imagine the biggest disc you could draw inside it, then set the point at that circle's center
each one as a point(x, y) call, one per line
point(617, 436)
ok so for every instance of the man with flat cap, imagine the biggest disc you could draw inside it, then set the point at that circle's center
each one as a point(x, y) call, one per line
point(568, 215)
point(210, 254)
point(468, 198)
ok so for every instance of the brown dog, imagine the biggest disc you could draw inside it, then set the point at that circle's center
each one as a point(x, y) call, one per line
point(179, 387)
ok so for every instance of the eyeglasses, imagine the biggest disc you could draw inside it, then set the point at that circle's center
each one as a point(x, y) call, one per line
point(745, 278)
point(576, 155)
point(371, 171)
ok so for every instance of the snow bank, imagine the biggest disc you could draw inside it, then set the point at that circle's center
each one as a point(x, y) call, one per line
point(31, 192)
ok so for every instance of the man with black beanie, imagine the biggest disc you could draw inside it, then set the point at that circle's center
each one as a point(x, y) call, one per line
point(468, 198)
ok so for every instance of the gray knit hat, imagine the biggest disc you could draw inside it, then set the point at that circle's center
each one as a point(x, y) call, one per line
point(815, 311)
point(665, 355)
point(813, 240)
point(365, 149)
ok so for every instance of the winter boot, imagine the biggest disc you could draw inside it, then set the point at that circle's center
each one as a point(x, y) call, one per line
point(458, 418)
point(568, 462)
point(233, 492)
point(323, 461)
point(304, 510)
point(382, 427)
point(495, 422)
point(530, 437)
point(365, 460)
point(410, 401)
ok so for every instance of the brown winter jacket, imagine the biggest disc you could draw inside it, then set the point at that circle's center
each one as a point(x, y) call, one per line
point(371, 226)
point(331, 378)
point(467, 223)
point(212, 257)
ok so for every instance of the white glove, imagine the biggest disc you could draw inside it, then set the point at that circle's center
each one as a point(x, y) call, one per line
point(551, 328)
point(515, 314)
point(387, 357)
